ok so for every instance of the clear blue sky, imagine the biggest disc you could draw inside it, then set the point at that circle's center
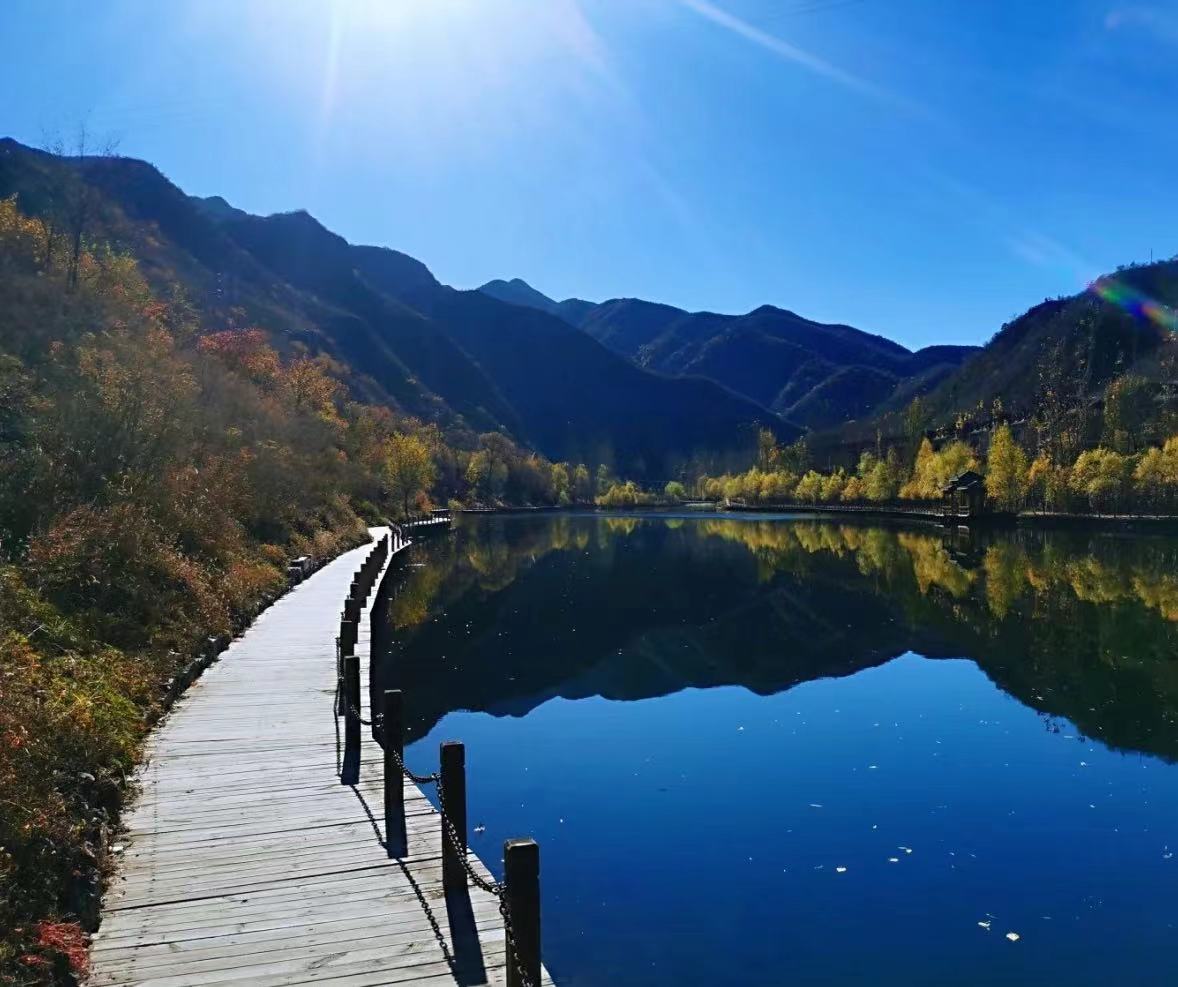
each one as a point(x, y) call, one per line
point(922, 168)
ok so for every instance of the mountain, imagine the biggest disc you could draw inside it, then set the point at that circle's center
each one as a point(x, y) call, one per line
point(518, 292)
point(461, 358)
point(1078, 343)
point(1053, 364)
point(814, 374)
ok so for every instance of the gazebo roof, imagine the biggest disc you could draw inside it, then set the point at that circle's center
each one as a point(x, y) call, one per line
point(963, 481)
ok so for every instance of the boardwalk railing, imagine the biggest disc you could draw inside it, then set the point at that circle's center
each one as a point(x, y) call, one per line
point(519, 893)
point(440, 518)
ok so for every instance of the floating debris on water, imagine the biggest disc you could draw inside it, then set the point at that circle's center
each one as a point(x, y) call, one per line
point(840, 870)
point(1013, 936)
point(893, 860)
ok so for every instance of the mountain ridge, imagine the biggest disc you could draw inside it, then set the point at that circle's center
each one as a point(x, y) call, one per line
point(443, 355)
point(795, 366)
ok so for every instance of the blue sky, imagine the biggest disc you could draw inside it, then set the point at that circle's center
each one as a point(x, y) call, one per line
point(926, 169)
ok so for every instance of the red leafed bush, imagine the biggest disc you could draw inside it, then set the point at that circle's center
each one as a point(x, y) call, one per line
point(67, 940)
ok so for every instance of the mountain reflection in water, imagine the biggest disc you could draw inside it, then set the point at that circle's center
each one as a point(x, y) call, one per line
point(511, 611)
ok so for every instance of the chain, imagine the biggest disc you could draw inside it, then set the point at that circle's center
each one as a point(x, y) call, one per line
point(356, 713)
point(434, 779)
point(509, 933)
point(341, 706)
point(451, 834)
point(497, 888)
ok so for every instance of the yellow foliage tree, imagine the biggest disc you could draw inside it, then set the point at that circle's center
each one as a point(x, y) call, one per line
point(1006, 471)
point(408, 468)
point(809, 488)
point(1155, 478)
point(1100, 476)
point(933, 470)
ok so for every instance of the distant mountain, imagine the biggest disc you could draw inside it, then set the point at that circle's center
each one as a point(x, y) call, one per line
point(458, 358)
point(814, 374)
point(519, 292)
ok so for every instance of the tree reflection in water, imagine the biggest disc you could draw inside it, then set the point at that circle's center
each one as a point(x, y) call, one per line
point(513, 610)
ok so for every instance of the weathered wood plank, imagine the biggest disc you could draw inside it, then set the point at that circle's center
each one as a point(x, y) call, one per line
point(246, 862)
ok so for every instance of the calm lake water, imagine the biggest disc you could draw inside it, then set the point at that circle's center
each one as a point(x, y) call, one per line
point(789, 750)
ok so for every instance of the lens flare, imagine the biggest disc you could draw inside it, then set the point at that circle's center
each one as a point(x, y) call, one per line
point(1135, 302)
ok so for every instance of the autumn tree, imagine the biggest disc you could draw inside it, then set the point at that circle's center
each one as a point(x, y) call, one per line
point(604, 479)
point(1006, 471)
point(833, 485)
point(1047, 483)
point(933, 469)
point(1060, 395)
point(582, 484)
point(1155, 478)
point(76, 201)
point(408, 468)
point(809, 488)
point(311, 389)
point(1100, 476)
point(768, 452)
point(561, 483)
point(795, 457)
point(916, 417)
point(1128, 410)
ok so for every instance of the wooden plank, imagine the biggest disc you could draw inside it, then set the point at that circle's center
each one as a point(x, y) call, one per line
point(245, 861)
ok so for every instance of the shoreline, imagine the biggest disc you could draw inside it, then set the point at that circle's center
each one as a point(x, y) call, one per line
point(1040, 519)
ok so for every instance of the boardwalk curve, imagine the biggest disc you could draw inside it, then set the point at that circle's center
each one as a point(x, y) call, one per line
point(247, 862)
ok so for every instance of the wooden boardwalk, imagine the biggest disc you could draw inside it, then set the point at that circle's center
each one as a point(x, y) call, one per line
point(248, 863)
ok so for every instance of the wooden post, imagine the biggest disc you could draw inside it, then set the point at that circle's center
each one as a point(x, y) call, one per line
point(393, 738)
point(453, 759)
point(347, 636)
point(352, 699)
point(521, 874)
point(377, 619)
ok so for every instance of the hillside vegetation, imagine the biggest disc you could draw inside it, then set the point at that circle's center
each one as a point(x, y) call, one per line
point(1100, 480)
point(156, 474)
point(1056, 372)
point(455, 359)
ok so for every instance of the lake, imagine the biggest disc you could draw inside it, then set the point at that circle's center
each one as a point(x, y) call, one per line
point(793, 750)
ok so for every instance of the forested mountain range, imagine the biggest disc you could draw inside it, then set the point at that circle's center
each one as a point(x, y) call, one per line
point(811, 373)
point(1052, 370)
point(460, 358)
point(649, 390)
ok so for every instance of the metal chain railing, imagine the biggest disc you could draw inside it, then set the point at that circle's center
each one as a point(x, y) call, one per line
point(461, 853)
point(449, 831)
